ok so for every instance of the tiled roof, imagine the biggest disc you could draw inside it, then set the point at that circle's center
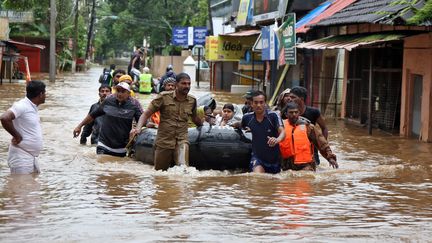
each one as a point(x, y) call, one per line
point(373, 11)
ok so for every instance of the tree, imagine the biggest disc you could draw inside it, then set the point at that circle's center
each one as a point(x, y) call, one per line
point(40, 26)
point(152, 19)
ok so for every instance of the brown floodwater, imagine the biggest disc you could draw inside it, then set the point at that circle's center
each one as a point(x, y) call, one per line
point(380, 193)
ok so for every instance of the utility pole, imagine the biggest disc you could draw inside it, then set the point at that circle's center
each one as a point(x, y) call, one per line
point(90, 32)
point(52, 63)
point(210, 17)
point(75, 38)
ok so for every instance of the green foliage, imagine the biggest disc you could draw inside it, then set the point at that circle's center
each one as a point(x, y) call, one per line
point(423, 15)
point(40, 26)
point(22, 5)
point(64, 60)
point(201, 16)
point(151, 19)
point(135, 20)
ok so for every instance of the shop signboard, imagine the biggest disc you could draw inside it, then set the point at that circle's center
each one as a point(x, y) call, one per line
point(243, 12)
point(17, 17)
point(180, 36)
point(269, 44)
point(188, 36)
point(234, 48)
point(289, 39)
point(211, 48)
point(268, 9)
point(199, 35)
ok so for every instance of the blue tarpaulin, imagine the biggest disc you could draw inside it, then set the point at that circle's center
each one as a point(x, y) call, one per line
point(312, 14)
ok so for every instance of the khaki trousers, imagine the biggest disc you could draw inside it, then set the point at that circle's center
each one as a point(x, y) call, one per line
point(165, 158)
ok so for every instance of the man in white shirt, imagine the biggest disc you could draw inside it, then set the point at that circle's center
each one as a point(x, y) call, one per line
point(23, 123)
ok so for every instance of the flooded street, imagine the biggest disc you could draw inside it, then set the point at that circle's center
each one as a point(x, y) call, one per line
point(380, 193)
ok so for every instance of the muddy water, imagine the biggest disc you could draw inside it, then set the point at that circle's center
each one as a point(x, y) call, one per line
point(380, 193)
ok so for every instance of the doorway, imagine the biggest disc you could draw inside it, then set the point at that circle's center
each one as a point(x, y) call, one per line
point(416, 105)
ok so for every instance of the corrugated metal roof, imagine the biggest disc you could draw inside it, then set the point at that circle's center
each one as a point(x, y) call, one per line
point(350, 42)
point(25, 44)
point(373, 11)
point(331, 10)
point(312, 14)
point(244, 33)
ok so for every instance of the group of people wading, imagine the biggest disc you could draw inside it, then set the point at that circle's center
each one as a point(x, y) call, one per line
point(283, 138)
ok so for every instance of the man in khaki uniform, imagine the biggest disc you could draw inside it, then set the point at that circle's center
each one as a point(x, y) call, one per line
point(175, 109)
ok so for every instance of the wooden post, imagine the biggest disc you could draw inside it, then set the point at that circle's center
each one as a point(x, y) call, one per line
point(90, 31)
point(370, 91)
point(52, 63)
point(75, 38)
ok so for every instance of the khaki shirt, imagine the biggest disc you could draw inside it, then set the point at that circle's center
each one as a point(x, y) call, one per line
point(174, 116)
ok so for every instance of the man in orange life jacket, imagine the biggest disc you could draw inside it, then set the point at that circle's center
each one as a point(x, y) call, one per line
point(297, 149)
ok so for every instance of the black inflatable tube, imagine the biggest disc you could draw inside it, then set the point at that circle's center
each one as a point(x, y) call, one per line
point(216, 148)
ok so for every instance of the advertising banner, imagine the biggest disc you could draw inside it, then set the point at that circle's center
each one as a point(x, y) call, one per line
point(268, 9)
point(233, 48)
point(242, 15)
point(211, 48)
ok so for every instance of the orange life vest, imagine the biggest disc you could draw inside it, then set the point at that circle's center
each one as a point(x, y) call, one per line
point(296, 144)
point(155, 118)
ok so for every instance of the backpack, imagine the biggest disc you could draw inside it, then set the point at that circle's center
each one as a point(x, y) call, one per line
point(106, 77)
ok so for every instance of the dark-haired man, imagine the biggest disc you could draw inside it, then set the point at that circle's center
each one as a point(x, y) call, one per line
point(23, 123)
point(297, 149)
point(118, 113)
point(116, 76)
point(248, 101)
point(134, 66)
point(175, 108)
point(267, 131)
point(94, 126)
point(298, 94)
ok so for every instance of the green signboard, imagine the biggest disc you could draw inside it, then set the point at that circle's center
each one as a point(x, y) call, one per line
point(289, 39)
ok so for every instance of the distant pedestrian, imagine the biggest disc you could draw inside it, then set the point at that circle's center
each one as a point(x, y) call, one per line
point(23, 123)
point(145, 81)
point(248, 101)
point(93, 127)
point(116, 76)
point(107, 75)
point(281, 102)
point(134, 66)
point(267, 131)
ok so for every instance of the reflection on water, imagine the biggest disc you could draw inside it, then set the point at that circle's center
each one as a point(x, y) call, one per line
point(21, 199)
point(381, 192)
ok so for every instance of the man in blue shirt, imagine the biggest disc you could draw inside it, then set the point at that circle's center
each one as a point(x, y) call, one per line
point(267, 131)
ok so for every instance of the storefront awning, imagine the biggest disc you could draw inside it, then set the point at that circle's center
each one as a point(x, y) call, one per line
point(349, 42)
point(244, 33)
point(25, 44)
